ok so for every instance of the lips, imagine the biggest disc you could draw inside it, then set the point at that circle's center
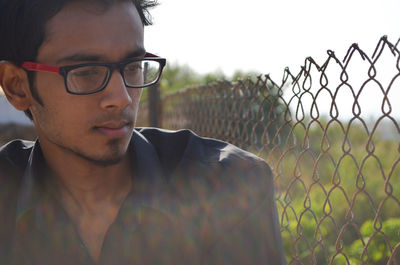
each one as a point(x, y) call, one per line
point(114, 129)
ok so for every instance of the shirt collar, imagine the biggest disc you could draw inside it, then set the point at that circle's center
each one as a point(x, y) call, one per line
point(31, 190)
point(147, 184)
point(149, 177)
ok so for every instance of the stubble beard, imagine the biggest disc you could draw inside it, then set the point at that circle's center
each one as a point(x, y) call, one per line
point(115, 157)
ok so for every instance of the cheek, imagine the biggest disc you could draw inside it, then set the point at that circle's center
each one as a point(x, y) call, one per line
point(58, 109)
point(135, 94)
point(49, 84)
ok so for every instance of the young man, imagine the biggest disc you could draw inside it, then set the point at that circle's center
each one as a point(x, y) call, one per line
point(92, 189)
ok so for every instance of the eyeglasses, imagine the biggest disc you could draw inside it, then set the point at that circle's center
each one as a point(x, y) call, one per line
point(89, 78)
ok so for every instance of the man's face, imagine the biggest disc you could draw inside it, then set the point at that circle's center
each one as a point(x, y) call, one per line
point(96, 127)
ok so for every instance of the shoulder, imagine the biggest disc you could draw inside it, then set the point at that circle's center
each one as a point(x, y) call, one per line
point(188, 144)
point(184, 152)
point(185, 144)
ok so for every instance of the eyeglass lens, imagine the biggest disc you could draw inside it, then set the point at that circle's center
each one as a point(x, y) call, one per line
point(85, 79)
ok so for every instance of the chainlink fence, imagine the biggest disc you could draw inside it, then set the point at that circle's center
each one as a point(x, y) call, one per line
point(336, 165)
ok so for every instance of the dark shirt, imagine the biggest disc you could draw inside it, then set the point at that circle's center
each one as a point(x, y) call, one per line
point(194, 201)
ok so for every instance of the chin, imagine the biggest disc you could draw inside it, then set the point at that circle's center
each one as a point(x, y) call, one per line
point(115, 150)
point(106, 162)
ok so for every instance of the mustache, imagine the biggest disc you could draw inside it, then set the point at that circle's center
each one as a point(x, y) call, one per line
point(124, 116)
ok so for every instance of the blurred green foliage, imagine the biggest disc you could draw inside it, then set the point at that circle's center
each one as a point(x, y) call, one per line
point(177, 77)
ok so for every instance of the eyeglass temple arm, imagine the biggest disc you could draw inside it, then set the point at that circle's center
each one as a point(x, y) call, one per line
point(150, 55)
point(55, 69)
point(40, 67)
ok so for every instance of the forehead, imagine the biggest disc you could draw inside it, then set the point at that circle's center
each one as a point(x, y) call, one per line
point(90, 28)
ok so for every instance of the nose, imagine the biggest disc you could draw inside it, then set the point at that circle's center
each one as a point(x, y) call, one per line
point(115, 94)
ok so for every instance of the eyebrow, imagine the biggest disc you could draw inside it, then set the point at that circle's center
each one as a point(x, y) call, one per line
point(85, 57)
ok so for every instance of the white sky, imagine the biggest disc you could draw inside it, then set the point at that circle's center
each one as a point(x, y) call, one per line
point(268, 35)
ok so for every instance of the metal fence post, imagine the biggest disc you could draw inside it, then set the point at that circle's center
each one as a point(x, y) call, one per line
point(154, 106)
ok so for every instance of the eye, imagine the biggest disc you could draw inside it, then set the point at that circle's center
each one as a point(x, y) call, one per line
point(87, 72)
point(133, 67)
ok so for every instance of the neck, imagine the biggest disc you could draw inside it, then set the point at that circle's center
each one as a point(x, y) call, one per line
point(95, 187)
point(86, 186)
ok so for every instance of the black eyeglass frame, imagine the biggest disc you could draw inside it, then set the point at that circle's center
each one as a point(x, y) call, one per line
point(63, 71)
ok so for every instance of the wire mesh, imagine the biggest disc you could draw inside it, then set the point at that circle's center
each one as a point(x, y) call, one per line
point(336, 165)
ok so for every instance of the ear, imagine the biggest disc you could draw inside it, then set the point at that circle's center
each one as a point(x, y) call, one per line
point(14, 81)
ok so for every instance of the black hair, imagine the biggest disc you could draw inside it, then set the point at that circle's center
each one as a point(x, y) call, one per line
point(22, 28)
